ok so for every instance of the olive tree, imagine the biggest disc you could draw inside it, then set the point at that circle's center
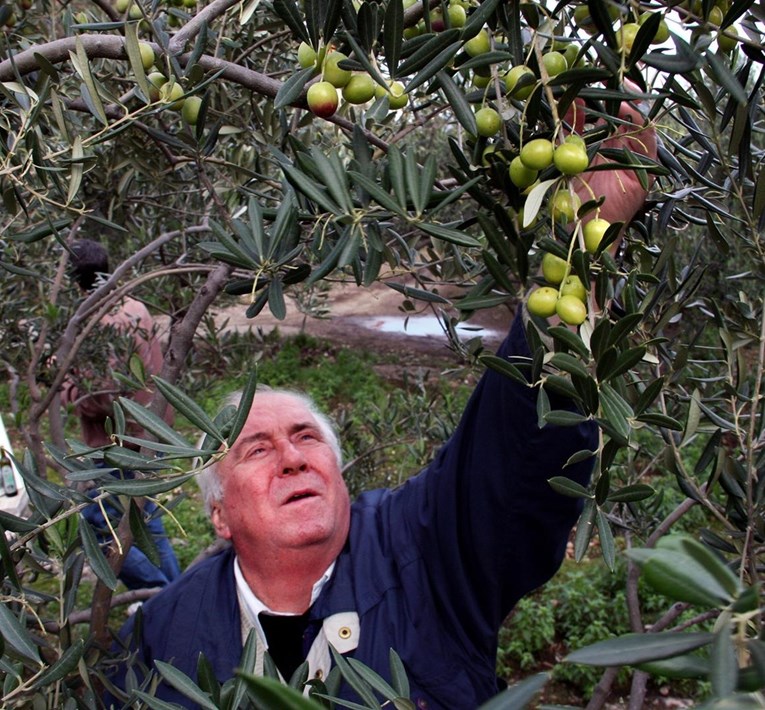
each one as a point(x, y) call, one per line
point(252, 149)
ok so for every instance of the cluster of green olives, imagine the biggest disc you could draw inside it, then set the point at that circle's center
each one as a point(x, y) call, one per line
point(565, 295)
point(356, 87)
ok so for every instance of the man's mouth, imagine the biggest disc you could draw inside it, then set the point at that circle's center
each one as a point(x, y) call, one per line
point(299, 495)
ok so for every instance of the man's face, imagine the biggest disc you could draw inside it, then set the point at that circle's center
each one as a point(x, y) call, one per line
point(282, 485)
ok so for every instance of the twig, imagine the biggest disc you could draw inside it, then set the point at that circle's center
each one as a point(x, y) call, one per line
point(748, 559)
point(83, 616)
point(638, 690)
point(602, 689)
point(212, 11)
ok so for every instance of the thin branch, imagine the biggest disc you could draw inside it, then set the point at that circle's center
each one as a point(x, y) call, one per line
point(57, 51)
point(639, 686)
point(108, 9)
point(602, 689)
point(183, 333)
point(748, 558)
point(97, 303)
point(632, 595)
point(696, 620)
point(192, 28)
point(113, 47)
point(83, 616)
point(670, 520)
point(19, 542)
point(32, 432)
point(639, 679)
point(638, 690)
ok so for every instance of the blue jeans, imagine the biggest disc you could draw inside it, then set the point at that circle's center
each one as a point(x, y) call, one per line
point(138, 572)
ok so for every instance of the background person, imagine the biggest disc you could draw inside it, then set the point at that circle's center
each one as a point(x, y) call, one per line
point(133, 328)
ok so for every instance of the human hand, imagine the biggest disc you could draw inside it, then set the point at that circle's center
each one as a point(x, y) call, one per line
point(619, 192)
point(621, 189)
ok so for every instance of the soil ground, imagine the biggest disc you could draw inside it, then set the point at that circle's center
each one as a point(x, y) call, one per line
point(373, 318)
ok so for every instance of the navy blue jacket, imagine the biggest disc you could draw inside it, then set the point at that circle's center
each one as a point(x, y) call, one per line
point(432, 567)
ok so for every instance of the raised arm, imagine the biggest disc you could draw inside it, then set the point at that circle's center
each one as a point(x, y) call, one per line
point(483, 516)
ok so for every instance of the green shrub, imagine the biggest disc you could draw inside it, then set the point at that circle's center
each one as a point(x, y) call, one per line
point(189, 528)
point(527, 637)
point(584, 603)
point(326, 371)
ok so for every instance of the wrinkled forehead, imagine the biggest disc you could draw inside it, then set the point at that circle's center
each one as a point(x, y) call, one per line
point(272, 414)
point(277, 410)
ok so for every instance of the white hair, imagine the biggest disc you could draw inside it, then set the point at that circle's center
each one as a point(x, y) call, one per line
point(208, 479)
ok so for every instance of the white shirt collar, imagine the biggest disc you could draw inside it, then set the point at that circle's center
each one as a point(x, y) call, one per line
point(255, 606)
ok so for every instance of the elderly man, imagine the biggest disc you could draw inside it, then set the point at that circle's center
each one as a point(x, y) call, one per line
point(429, 569)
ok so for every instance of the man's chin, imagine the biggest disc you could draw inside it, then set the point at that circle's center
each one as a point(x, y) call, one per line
point(303, 536)
point(308, 523)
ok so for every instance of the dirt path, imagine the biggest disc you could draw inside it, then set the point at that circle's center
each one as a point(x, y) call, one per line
point(373, 317)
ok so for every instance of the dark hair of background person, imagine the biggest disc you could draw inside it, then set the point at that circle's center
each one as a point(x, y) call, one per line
point(89, 259)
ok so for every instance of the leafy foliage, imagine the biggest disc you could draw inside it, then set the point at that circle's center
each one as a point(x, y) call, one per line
point(252, 196)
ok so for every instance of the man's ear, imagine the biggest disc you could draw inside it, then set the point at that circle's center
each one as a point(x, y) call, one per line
point(218, 518)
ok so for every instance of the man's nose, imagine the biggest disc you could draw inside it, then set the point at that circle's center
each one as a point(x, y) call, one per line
point(293, 460)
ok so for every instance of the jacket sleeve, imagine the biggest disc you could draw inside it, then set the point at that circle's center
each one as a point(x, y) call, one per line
point(483, 517)
point(198, 613)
